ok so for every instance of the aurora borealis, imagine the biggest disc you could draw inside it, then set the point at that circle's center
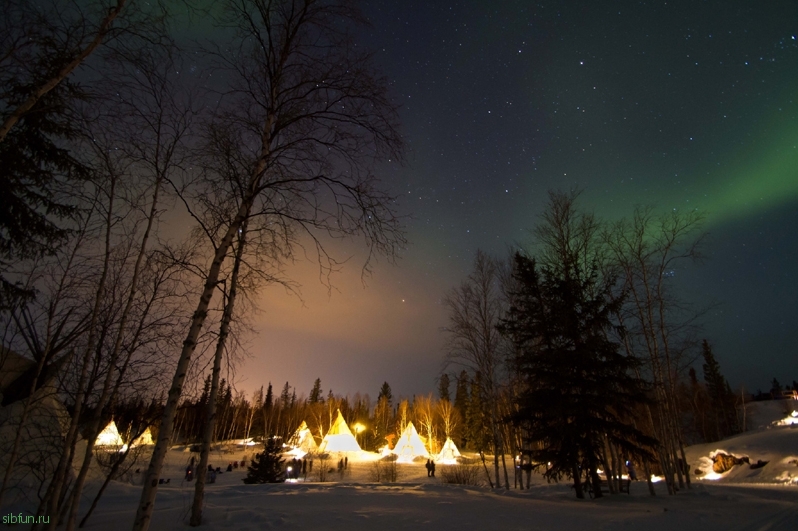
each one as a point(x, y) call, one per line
point(679, 105)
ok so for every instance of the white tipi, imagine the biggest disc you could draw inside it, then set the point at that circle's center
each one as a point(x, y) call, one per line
point(449, 453)
point(145, 439)
point(109, 436)
point(339, 438)
point(409, 445)
point(302, 441)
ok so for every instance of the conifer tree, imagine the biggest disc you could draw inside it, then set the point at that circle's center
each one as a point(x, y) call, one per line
point(285, 396)
point(385, 391)
point(267, 467)
point(443, 387)
point(577, 386)
point(461, 405)
point(268, 402)
point(315, 393)
point(721, 400)
point(477, 436)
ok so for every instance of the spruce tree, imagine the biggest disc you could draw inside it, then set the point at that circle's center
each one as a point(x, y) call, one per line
point(34, 165)
point(268, 402)
point(285, 396)
point(315, 393)
point(477, 435)
point(443, 387)
point(578, 388)
point(721, 400)
point(268, 466)
point(385, 391)
point(461, 405)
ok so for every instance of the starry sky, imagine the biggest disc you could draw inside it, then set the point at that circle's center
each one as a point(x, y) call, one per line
point(679, 105)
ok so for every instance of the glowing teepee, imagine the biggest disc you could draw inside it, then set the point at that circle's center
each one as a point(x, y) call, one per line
point(449, 453)
point(302, 441)
point(109, 436)
point(339, 438)
point(145, 439)
point(409, 445)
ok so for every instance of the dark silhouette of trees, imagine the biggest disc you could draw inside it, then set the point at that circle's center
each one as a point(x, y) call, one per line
point(579, 389)
point(316, 393)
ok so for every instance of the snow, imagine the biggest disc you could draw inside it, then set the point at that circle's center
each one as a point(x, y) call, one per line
point(420, 503)
point(740, 500)
point(776, 442)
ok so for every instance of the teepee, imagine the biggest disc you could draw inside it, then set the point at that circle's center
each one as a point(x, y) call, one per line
point(409, 445)
point(145, 439)
point(302, 441)
point(449, 453)
point(109, 436)
point(339, 438)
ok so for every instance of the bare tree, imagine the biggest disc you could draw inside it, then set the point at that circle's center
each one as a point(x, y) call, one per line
point(449, 417)
point(475, 308)
point(424, 413)
point(310, 115)
point(647, 250)
point(46, 43)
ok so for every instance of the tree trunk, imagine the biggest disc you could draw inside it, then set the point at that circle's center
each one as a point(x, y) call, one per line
point(53, 82)
point(147, 501)
point(578, 482)
point(224, 330)
point(57, 484)
point(77, 490)
point(647, 472)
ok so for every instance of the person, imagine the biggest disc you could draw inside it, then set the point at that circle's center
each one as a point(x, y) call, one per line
point(305, 467)
point(235, 464)
point(210, 468)
point(189, 473)
point(229, 467)
point(346, 462)
point(428, 466)
point(212, 476)
point(630, 468)
point(432, 467)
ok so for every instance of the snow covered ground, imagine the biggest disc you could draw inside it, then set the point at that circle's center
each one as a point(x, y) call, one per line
point(353, 502)
point(740, 500)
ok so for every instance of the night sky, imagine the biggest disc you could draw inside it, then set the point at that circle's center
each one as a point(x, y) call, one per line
point(679, 105)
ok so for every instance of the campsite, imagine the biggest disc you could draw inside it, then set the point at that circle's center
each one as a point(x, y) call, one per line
point(398, 264)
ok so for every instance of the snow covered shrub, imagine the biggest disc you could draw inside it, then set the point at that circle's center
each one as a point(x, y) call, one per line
point(323, 468)
point(460, 474)
point(385, 470)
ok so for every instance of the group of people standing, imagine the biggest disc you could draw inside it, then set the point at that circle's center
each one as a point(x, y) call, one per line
point(298, 467)
point(430, 466)
point(212, 472)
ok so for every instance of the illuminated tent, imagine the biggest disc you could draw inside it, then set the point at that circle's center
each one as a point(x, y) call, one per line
point(145, 439)
point(449, 453)
point(339, 438)
point(110, 436)
point(302, 441)
point(409, 445)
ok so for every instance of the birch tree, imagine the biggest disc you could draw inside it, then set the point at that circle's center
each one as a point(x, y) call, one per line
point(311, 115)
point(475, 308)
